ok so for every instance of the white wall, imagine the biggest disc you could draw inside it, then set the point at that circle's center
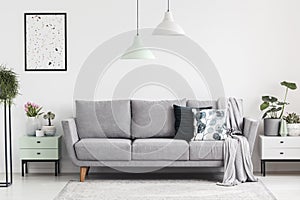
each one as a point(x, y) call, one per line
point(253, 43)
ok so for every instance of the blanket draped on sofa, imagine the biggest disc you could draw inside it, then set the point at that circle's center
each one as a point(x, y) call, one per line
point(238, 165)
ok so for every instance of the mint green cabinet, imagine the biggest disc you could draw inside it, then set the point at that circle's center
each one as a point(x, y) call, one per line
point(40, 149)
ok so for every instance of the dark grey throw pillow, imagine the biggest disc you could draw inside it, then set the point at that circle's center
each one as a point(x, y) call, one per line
point(184, 122)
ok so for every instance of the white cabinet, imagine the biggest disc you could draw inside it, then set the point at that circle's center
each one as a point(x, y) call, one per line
point(276, 149)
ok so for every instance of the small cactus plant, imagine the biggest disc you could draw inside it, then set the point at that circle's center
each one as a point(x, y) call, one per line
point(292, 118)
point(49, 116)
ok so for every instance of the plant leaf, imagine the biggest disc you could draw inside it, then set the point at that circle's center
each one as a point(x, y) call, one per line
point(282, 103)
point(265, 115)
point(289, 85)
point(269, 99)
point(264, 105)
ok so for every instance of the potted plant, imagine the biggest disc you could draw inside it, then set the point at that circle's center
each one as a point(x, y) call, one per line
point(33, 123)
point(49, 130)
point(9, 89)
point(293, 124)
point(274, 110)
point(9, 85)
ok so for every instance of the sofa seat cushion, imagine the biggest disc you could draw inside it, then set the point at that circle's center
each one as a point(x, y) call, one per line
point(103, 119)
point(153, 119)
point(103, 149)
point(206, 150)
point(160, 149)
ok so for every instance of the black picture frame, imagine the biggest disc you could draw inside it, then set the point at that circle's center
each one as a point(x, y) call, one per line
point(65, 40)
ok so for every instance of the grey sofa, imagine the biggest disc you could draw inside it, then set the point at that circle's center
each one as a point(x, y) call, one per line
point(136, 133)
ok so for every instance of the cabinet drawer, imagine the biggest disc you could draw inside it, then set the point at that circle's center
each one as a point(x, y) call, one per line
point(281, 154)
point(281, 142)
point(39, 142)
point(39, 154)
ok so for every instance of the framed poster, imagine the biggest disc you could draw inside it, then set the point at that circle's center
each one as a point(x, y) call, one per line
point(45, 41)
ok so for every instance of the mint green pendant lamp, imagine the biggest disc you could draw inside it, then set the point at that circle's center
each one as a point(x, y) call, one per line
point(137, 50)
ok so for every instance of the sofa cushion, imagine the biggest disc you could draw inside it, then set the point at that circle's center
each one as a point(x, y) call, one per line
point(210, 124)
point(184, 121)
point(206, 150)
point(103, 149)
point(160, 149)
point(153, 118)
point(199, 104)
point(101, 119)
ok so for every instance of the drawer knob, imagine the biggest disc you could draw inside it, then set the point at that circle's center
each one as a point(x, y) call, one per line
point(281, 153)
point(281, 142)
point(38, 153)
point(38, 142)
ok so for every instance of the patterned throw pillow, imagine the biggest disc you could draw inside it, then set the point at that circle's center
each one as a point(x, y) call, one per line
point(209, 124)
point(184, 121)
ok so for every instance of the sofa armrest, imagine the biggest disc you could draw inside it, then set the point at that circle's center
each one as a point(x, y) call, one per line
point(250, 131)
point(70, 137)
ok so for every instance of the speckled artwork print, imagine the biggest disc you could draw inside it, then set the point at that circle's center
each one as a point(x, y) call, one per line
point(45, 42)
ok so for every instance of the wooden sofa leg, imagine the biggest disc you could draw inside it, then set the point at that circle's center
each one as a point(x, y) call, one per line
point(83, 171)
point(87, 171)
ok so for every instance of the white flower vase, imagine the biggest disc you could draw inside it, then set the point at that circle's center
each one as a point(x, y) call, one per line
point(32, 124)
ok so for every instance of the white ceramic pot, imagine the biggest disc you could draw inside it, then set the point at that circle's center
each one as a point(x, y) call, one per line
point(32, 124)
point(293, 129)
point(39, 133)
point(49, 130)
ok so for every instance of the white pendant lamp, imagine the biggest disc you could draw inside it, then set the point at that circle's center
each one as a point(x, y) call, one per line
point(137, 50)
point(168, 26)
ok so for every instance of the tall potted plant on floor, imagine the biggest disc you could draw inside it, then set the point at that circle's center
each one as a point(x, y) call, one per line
point(9, 89)
point(274, 109)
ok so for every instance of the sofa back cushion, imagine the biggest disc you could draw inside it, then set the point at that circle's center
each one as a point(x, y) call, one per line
point(153, 118)
point(200, 104)
point(103, 119)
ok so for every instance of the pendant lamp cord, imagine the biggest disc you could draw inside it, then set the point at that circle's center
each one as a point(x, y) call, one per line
point(168, 5)
point(137, 17)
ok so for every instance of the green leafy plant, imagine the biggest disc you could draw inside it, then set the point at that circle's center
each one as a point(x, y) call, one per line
point(49, 116)
point(9, 85)
point(292, 118)
point(273, 106)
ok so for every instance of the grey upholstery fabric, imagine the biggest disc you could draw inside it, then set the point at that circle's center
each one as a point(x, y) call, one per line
point(153, 118)
point(70, 137)
point(101, 119)
point(103, 149)
point(199, 104)
point(160, 149)
point(250, 131)
point(206, 150)
point(154, 159)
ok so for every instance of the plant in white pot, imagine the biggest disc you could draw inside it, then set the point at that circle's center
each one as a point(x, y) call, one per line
point(33, 123)
point(274, 110)
point(293, 124)
point(49, 130)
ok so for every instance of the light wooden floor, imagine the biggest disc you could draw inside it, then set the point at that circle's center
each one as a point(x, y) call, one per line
point(47, 186)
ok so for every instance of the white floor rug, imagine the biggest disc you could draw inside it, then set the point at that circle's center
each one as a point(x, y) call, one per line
point(161, 190)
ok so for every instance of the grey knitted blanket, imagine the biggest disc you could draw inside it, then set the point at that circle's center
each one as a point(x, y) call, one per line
point(238, 167)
